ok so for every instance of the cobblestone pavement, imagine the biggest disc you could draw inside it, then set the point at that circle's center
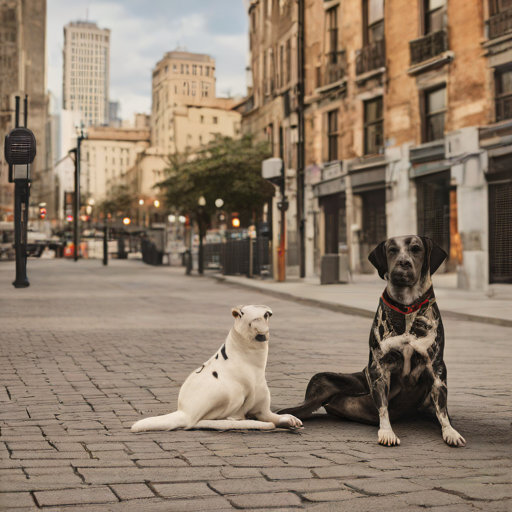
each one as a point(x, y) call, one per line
point(87, 350)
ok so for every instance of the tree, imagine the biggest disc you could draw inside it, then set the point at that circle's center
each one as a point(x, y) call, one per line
point(118, 202)
point(227, 169)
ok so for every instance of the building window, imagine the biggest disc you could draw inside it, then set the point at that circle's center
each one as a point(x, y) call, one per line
point(373, 126)
point(265, 72)
point(373, 21)
point(186, 90)
point(435, 108)
point(215, 120)
point(200, 70)
point(434, 12)
point(332, 29)
point(207, 71)
point(288, 61)
point(194, 69)
point(183, 69)
point(332, 135)
point(272, 69)
point(503, 79)
point(202, 119)
point(281, 66)
point(193, 88)
point(205, 89)
point(174, 68)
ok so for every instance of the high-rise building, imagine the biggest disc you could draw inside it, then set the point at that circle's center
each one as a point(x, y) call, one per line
point(22, 72)
point(86, 71)
point(113, 113)
point(183, 79)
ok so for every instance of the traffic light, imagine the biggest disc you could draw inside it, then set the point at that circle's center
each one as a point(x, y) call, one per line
point(42, 212)
point(235, 220)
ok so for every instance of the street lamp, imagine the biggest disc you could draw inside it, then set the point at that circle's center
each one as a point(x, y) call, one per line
point(219, 203)
point(20, 151)
point(156, 203)
point(141, 201)
point(126, 221)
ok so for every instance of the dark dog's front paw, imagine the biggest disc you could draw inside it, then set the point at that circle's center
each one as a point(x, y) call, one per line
point(452, 437)
point(388, 438)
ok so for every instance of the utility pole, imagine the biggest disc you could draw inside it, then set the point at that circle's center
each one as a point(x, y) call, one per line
point(301, 220)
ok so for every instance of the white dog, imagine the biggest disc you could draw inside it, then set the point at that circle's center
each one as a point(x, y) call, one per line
point(230, 386)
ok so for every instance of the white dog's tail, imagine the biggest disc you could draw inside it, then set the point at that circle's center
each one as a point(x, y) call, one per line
point(171, 421)
point(179, 419)
point(234, 425)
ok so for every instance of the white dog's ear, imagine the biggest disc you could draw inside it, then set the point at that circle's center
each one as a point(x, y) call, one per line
point(237, 312)
point(269, 311)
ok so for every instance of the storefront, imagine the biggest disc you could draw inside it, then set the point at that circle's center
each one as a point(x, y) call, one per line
point(332, 226)
point(499, 179)
point(436, 200)
point(368, 184)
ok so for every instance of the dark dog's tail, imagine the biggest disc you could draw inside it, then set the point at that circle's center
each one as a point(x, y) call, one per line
point(323, 387)
point(304, 410)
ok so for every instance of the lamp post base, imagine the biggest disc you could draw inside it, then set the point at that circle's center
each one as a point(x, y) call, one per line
point(21, 284)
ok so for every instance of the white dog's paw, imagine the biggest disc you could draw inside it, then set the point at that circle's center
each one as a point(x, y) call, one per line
point(289, 421)
point(388, 438)
point(141, 425)
point(452, 437)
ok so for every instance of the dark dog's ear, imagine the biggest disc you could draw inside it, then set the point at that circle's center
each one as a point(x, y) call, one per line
point(435, 255)
point(379, 259)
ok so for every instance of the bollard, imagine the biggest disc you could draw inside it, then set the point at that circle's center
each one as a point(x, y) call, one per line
point(105, 245)
point(188, 260)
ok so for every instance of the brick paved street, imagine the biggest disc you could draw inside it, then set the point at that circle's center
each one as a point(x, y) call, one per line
point(87, 350)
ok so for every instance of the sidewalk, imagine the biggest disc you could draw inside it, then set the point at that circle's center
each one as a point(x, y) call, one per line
point(361, 297)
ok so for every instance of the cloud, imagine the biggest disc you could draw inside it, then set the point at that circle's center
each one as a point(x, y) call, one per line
point(141, 32)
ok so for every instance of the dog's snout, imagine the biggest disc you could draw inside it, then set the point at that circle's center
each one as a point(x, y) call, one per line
point(260, 337)
point(404, 263)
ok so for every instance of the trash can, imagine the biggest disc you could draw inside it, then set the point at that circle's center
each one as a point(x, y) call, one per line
point(330, 270)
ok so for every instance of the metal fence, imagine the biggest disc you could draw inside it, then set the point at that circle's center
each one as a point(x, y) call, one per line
point(237, 256)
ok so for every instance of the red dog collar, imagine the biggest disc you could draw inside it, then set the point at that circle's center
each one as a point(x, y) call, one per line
point(406, 310)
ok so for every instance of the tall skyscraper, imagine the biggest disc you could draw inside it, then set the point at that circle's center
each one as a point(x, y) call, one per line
point(86, 71)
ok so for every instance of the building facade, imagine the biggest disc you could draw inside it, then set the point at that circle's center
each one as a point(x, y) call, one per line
point(407, 129)
point(270, 110)
point(22, 72)
point(107, 155)
point(86, 58)
point(185, 115)
point(181, 80)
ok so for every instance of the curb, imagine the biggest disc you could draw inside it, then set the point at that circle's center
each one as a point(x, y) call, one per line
point(348, 310)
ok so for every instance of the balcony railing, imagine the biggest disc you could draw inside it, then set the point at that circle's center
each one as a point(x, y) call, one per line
point(371, 57)
point(504, 108)
point(336, 68)
point(429, 46)
point(500, 24)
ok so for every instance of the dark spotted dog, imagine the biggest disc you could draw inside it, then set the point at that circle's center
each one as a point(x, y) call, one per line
point(406, 371)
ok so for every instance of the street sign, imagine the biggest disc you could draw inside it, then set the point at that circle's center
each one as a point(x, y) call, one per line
point(272, 169)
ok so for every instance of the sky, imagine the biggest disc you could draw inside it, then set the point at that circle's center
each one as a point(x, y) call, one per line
point(142, 31)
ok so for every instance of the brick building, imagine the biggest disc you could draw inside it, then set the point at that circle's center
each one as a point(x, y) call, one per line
point(270, 110)
point(407, 130)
